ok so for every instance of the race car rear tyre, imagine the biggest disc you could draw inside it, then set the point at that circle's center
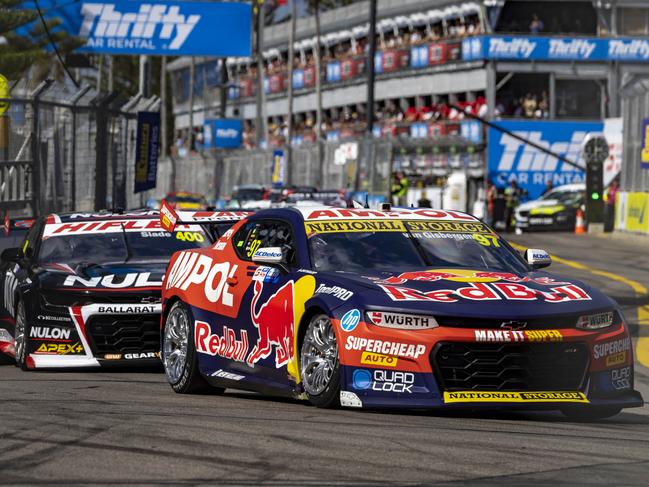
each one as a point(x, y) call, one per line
point(585, 414)
point(178, 353)
point(319, 365)
point(21, 336)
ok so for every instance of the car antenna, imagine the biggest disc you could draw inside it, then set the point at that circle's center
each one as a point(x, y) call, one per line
point(367, 204)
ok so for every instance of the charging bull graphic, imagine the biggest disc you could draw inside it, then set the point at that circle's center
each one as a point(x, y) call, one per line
point(276, 320)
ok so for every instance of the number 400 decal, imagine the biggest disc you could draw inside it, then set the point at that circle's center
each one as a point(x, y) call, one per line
point(190, 236)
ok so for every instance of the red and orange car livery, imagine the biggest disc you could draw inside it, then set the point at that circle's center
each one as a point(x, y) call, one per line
point(397, 308)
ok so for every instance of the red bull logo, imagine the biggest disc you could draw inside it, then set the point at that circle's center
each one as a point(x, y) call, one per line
point(464, 275)
point(276, 321)
point(226, 346)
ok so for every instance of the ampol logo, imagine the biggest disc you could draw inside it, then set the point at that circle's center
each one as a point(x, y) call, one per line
point(102, 23)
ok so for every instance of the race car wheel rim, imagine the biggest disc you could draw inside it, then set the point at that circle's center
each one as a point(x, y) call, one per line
point(20, 333)
point(319, 356)
point(175, 343)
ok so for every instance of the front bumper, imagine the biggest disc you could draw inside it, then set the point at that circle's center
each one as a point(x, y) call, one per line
point(95, 335)
point(459, 369)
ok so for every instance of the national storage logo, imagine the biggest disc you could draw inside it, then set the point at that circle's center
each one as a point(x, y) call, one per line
point(510, 158)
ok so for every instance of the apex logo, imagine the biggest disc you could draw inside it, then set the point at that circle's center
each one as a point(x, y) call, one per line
point(132, 29)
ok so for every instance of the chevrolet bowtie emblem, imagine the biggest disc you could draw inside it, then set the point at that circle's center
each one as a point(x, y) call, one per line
point(151, 300)
point(513, 325)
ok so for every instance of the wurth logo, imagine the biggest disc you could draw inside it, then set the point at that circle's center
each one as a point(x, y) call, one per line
point(532, 159)
point(135, 29)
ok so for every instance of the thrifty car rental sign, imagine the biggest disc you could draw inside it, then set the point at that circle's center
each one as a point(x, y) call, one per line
point(163, 27)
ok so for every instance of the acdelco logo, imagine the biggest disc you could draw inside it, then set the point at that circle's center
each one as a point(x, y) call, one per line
point(198, 269)
point(100, 20)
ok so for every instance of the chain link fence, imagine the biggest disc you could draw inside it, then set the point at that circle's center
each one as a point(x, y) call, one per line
point(62, 151)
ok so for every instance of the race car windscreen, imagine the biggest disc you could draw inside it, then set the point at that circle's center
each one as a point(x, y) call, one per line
point(390, 245)
point(116, 246)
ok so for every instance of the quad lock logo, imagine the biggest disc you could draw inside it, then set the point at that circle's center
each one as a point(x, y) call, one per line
point(107, 28)
point(383, 380)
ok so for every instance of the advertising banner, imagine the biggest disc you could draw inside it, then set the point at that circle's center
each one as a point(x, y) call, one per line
point(531, 48)
point(511, 158)
point(613, 135)
point(644, 144)
point(146, 150)
point(278, 168)
point(174, 28)
point(224, 133)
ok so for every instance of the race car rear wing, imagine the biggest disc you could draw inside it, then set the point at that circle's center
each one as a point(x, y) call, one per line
point(170, 217)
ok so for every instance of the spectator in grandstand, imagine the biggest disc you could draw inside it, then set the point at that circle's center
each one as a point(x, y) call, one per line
point(536, 26)
point(529, 106)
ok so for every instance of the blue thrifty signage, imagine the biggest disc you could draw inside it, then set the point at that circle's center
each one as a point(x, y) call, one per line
point(174, 28)
point(531, 48)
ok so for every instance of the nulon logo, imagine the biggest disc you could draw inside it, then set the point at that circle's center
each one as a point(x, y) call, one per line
point(105, 27)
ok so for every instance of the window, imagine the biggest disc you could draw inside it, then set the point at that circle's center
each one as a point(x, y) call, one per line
point(265, 233)
point(579, 99)
point(633, 21)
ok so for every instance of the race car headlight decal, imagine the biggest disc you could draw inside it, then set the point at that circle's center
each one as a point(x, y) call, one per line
point(595, 321)
point(401, 321)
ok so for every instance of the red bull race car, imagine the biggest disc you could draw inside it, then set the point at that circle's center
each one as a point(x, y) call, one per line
point(83, 289)
point(414, 308)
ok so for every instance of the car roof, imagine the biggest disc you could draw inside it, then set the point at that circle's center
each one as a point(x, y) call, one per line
point(103, 215)
point(323, 213)
point(570, 187)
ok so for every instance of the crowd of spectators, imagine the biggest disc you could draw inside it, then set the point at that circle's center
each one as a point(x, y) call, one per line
point(528, 106)
point(402, 38)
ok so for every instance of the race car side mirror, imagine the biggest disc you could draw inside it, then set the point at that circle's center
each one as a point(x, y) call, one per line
point(270, 255)
point(537, 258)
point(13, 254)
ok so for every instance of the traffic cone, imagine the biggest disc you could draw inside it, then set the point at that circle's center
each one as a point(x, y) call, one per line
point(580, 226)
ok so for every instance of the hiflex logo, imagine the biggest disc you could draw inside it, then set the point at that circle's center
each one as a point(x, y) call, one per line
point(136, 29)
point(514, 48)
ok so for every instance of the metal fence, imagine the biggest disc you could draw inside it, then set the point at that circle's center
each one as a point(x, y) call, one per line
point(255, 166)
point(62, 151)
point(635, 109)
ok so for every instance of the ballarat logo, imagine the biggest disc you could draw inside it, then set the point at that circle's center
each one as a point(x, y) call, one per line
point(107, 27)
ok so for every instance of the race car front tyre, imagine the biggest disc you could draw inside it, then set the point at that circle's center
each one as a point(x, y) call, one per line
point(178, 353)
point(589, 413)
point(21, 336)
point(319, 365)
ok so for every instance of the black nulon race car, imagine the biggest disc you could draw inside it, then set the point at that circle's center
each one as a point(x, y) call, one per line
point(84, 289)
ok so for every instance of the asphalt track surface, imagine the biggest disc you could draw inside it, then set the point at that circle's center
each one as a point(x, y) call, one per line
point(129, 428)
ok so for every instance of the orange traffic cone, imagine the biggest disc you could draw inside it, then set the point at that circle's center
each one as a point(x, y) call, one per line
point(580, 226)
